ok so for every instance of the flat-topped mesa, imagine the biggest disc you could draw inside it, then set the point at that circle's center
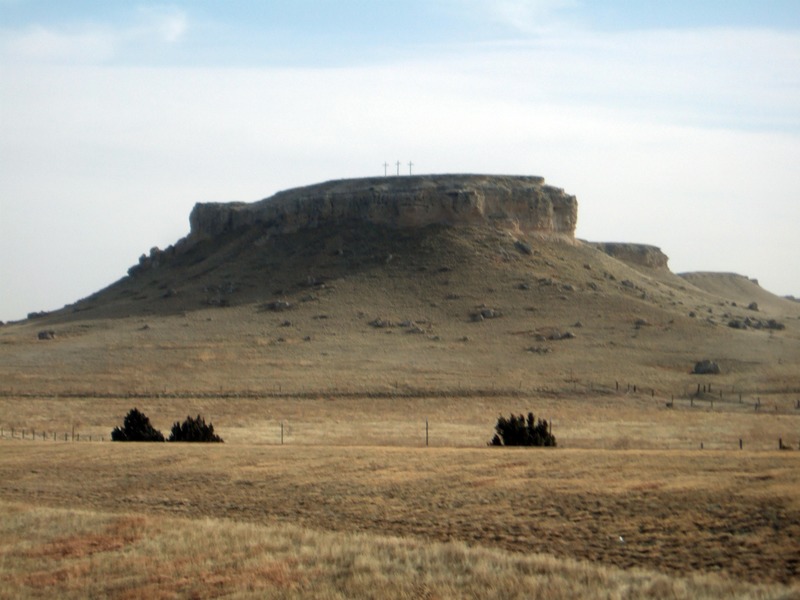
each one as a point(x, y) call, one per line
point(522, 203)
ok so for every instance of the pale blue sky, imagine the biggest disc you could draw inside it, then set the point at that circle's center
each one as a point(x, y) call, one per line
point(675, 123)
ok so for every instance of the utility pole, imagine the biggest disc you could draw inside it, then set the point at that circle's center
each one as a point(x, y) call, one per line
point(398, 168)
point(385, 167)
point(410, 164)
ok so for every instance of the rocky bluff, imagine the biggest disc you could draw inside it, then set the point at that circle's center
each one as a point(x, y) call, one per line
point(642, 255)
point(520, 203)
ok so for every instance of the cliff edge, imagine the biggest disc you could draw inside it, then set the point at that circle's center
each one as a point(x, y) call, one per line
point(640, 255)
point(523, 203)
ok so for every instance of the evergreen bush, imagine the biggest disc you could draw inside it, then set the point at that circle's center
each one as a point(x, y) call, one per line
point(193, 430)
point(519, 431)
point(136, 428)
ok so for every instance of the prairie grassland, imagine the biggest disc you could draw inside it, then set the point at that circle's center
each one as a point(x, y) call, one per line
point(736, 514)
point(610, 420)
point(88, 554)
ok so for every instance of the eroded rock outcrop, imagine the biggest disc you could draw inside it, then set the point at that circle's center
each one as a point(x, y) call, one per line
point(640, 255)
point(523, 203)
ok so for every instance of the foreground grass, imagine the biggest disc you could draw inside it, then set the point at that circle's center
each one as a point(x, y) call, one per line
point(732, 514)
point(47, 552)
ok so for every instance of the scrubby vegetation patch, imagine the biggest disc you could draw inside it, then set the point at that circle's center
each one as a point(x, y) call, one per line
point(519, 431)
point(193, 430)
point(136, 428)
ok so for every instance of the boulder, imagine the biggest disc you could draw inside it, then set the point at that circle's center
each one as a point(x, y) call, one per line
point(485, 312)
point(277, 305)
point(523, 247)
point(380, 323)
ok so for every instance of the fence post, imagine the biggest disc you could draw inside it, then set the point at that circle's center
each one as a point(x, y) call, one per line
point(281, 433)
point(426, 433)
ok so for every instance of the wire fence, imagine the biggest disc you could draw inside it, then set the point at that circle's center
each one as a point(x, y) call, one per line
point(34, 434)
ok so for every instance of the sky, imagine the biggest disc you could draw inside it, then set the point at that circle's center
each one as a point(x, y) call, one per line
point(675, 124)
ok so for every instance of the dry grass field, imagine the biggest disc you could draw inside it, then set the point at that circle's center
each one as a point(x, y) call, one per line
point(670, 515)
point(647, 495)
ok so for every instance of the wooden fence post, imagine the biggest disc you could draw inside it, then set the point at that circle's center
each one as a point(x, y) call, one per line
point(426, 433)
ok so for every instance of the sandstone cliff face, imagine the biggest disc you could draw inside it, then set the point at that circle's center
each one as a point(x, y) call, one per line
point(521, 203)
point(636, 254)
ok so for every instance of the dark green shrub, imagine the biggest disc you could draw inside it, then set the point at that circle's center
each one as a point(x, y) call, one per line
point(518, 431)
point(193, 430)
point(136, 428)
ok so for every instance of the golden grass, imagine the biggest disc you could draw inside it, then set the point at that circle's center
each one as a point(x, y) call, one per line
point(82, 554)
point(610, 420)
point(732, 513)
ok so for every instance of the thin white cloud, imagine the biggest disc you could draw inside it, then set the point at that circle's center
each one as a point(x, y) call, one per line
point(168, 23)
point(92, 43)
point(36, 44)
point(528, 17)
